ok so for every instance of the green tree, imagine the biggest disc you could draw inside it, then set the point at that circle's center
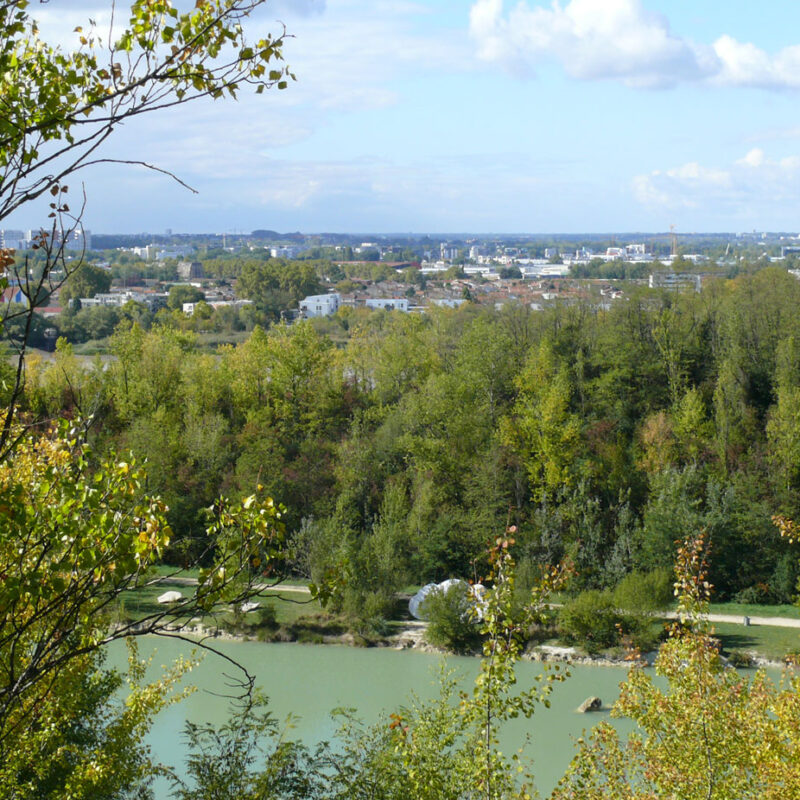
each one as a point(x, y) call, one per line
point(278, 284)
point(703, 731)
point(247, 758)
point(183, 293)
point(86, 281)
point(543, 429)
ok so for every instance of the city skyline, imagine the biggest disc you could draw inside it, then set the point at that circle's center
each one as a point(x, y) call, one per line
point(483, 116)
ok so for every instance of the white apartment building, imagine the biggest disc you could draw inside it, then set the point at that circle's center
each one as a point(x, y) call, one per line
point(389, 303)
point(320, 305)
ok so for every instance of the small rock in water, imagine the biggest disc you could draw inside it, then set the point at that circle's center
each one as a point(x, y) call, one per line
point(590, 704)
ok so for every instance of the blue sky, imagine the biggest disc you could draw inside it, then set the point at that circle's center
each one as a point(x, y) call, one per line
point(480, 116)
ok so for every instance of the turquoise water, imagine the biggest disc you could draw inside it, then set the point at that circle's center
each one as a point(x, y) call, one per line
point(308, 681)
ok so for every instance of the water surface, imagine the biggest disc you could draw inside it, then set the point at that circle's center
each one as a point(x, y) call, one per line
point(308, 681)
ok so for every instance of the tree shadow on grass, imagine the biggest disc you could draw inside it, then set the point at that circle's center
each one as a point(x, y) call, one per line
point(736, 641)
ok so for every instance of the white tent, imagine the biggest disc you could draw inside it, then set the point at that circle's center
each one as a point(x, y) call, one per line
point(416, 601)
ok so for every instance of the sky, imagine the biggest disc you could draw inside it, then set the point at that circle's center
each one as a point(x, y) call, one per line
point(478, 116)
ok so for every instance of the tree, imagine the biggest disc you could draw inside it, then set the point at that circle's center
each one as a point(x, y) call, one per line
point(542, 428)
point(86, 281)
point(709, 734)
point(77, 531)
point(224, 762)
point(278, 284)
point(445, 749)
point(61, 106)
point(75, 534)
point(181, 293)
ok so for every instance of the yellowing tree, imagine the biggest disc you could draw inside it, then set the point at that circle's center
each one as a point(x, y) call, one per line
point(73, 538)
point(542, 429)
point(710, 734)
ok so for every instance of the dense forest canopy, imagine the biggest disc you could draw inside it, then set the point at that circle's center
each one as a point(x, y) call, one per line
point(603, 435)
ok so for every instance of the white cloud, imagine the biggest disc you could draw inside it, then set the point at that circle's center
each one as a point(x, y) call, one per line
point(621, 40)
point(755, 158)
point(755, 181)
point(744, 64)
point(592, 39)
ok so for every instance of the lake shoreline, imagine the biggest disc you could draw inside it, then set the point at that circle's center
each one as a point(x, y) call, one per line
point(412, 638)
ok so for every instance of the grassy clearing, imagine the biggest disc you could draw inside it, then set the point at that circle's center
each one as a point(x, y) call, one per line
point(289, 606)
point(164, 570)
point(772, 643)
point(94, 347)
point(139, 603)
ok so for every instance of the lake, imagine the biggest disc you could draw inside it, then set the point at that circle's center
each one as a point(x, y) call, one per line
point(308, 681)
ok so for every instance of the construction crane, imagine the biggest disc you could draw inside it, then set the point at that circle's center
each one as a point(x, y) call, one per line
point(674, 240)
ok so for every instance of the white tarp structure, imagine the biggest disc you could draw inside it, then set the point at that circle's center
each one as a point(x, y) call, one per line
point(170, 597)
point(476, 595)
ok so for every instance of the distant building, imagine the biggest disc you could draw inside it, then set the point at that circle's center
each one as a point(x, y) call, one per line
point(13, 294)
point(449, 302)
point(674, 280)
point(448, 252)
point(320, 305)
point(427, 267)
point(389, 304)
point(148, 253)
point(174, 251)
point(289, 251)
point(11, 238)
point(189, 308)
point(153, 300)
point(190, 269)
point(77, 239)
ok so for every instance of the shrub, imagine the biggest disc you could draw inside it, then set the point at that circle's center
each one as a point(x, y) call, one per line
point(644, 592)
point(590, 620)
point(450, 622)
point(740, 659)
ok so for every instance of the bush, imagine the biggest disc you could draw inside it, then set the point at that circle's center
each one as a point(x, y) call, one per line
point(644, 592)
point(590, 620)
point(450, 622)
point(267, 617)
point(740, 659)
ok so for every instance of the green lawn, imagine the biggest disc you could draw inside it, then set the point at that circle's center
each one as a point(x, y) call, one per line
point(772, 643)
point(289, 606)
